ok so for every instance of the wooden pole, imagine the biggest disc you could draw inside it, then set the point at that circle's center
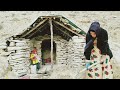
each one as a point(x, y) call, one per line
point(51, 30)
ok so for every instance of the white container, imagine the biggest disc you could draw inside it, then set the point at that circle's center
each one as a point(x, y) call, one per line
point(33, 69)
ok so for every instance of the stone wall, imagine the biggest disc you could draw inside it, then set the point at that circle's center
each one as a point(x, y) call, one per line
point(67, 52)
point(76, 51)
point(19, 56)
point(62, 52)
point(5, 68)
point(3, 60)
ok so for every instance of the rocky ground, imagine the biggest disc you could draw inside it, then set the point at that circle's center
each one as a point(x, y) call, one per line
point(14, 22)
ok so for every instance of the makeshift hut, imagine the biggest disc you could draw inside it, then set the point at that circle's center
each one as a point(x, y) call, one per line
point(57, 39)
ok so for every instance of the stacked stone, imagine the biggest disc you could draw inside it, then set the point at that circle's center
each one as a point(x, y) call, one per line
point(19, 57)
point(70, 53)
point(3, 45)
point(61, 50)
point(76, 51)
point(3, 60)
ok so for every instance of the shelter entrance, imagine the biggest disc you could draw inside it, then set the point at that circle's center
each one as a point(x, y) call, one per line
point(46, 51)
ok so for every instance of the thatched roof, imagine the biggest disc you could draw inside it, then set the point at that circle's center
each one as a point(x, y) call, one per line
point(61, 26)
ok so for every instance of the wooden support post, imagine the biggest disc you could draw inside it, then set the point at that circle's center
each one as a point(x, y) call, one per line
point(51, 30)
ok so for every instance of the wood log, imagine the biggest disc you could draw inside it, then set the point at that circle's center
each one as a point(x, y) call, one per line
point(21, 72)
point(5, 53)
point(19, 59)
point(27, 52)
point(17, 48)
point(20, 51)
point(21, 44)
point(23, 40)
point(18, 56)
point(23, 54)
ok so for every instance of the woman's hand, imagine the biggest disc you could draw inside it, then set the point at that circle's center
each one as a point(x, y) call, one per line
point(87, 64)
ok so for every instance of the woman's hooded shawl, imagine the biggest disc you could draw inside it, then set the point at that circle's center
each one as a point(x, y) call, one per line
point(95, 26)
point(102, 41)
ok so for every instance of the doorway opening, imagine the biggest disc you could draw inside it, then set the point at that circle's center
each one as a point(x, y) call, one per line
point(46, 51)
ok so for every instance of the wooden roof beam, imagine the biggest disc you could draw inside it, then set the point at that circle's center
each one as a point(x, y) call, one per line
point(68, 29)
point(63, 31)
point(36, 31)
point(34, 28)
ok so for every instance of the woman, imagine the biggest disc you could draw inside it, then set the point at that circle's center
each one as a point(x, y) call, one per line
point(97, 50)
